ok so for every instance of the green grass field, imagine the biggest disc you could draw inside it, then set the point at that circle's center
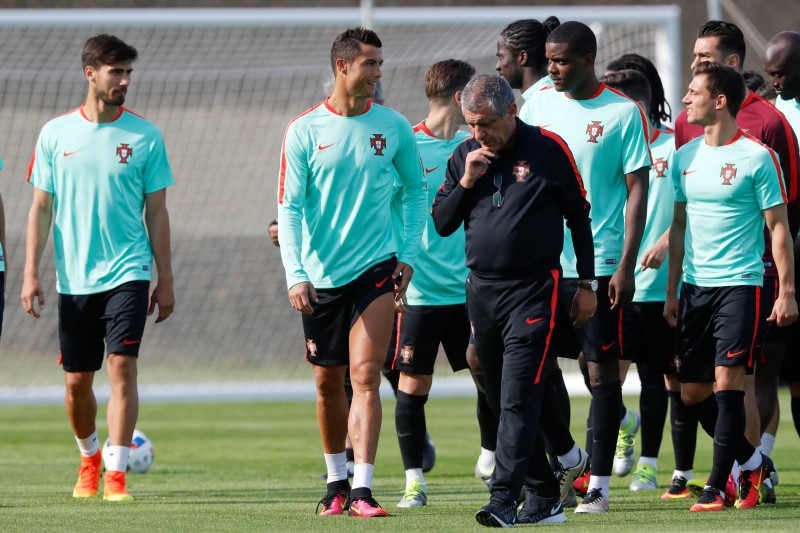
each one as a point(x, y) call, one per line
point(255, 467)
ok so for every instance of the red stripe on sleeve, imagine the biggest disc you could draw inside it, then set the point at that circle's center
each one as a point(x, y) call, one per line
point(567, 151)
point(282, 177)
point(30, 166)
point(792, 181)
point(778, 169)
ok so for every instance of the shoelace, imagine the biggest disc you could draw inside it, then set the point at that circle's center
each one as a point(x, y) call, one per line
point(327, 500)
point(413, 492)
point(593, 495)
point(640, 474)
point(678, 485)
point(708, 496)
point(87, 473)
point(744, 485)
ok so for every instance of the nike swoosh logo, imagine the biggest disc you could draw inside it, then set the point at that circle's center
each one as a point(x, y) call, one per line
point(685, 172)
point(67, 154)
point(607, 347)
point(355, 510)
point(735, 354)
point(126, 342)
point(379, 284)
point(429, 170)
point(320, 147)
point(529, 320)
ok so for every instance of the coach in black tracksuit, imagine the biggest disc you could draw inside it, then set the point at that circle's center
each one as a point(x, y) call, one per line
point(513, 185)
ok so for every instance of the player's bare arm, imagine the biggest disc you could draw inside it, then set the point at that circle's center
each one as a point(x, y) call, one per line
point(784, 312)
point(39, 218)
point(475, 165)
point(622, 285)
point(654, 257)
point(677, 234)
point(156, 218)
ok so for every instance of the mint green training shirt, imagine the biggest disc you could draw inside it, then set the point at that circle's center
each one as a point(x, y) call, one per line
point(99, 175)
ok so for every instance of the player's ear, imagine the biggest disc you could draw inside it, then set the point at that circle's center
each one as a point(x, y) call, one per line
point(522, 58)
point(734, 61)
point(90, 72)
point(457, 98)
point(721, 102)
point(341, 66)
point(512, 109)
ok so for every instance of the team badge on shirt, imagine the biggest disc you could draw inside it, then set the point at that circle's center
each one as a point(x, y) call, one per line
point(727, 173)
point(407, 354)
point(594, 129)
point(660, 165)
point(311, 348)
point(124, 152)
point(521, 170)
point(378, 142)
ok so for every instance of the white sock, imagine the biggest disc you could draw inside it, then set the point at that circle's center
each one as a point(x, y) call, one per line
point(362, 475)
point(89, 445)
point(486, 459)
point(415, 474)
point(652, 461)
point(336, 463)
point(116, 458)
point(752, 463)
point(571, 458)
point(767, 443)
point(685, 474)
point(600, 482)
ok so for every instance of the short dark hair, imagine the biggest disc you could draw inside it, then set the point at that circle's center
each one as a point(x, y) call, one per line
point(753, 80)
point(730, 37)
point(104, 49)
point(444, 78)
point(660, 111)
point(529, 35)
point(347, 44)
point(722, 79)
point(578, 36)
point(631, 83)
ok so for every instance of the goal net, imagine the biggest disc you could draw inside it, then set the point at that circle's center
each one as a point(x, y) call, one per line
point(222, 85)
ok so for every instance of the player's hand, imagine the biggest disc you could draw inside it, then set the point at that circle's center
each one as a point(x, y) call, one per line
point(584, 305)
point(784, 312)
point(654, 257)
point(671, 310)
point(163, 296)
point(301, 296)
point(621, 288)
point(32, 294)
point(273, 233)
point(475, 165)
point(401, 277)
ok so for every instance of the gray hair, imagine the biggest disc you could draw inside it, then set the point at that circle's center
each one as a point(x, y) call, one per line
point(488, 89)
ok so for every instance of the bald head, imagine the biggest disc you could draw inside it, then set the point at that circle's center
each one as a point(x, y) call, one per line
point(782, 64)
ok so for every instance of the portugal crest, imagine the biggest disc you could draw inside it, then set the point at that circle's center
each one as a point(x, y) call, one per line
point(378, 142)
point(521, 170)
point(594, 130)
point(660, 165)
point(124, 152)
point(727, 173)
point(311, 348)
point(407, 354)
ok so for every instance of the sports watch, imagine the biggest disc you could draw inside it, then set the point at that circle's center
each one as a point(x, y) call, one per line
point(589, 285)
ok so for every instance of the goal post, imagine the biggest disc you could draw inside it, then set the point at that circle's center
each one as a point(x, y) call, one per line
point(222, 84)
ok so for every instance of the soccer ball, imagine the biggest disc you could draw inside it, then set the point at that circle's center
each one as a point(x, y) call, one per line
point(142, 454)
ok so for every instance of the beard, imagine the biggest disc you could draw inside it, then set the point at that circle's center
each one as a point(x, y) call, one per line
point(114, 98)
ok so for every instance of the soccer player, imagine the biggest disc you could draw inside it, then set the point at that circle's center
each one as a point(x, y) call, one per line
point(782, 65)
point(94, 171)
point(512, 186)
point(723, 42)
point(2, 258)
point(729, 181)
point(598, 124)
point(520, 56)
point(436, 312)
point(646, 338)
point(339, 162)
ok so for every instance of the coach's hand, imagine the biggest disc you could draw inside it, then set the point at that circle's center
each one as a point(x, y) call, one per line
point(784, 312)
point(163, 296)
point(584, 306)
point(301, 296)
point(475, 164)
point(32, 293)
point(401, 277)
point(621, 287)
point(671, 310)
